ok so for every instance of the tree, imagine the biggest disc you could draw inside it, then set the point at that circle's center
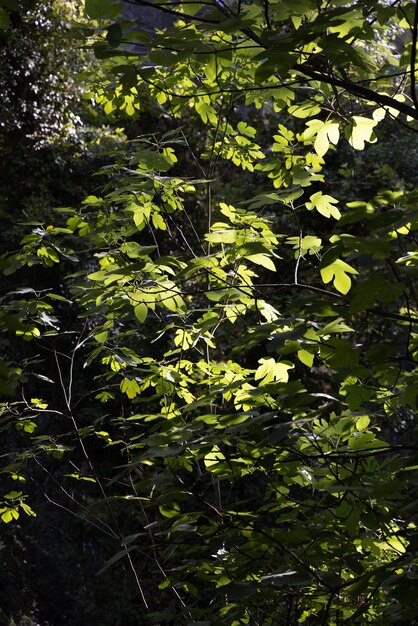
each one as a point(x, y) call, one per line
point(248, 315)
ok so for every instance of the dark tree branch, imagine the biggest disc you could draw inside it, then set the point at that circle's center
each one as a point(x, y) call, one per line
point(164, 8)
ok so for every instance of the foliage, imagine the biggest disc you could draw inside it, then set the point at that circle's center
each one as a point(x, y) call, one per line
point(246, 321)
point(52, 141)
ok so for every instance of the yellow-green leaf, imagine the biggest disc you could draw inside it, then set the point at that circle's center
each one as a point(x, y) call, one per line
point(362, 422)
point(338, 271)
point(141, 312)
point(269, 371)
point(130, 387)
point(213, 457)
point(262, 259)
point(324, 204)
point(326, 133)
point(171, 511)
point(361, 132)
point(9, 515)
point(305, 357)
point(304, 109)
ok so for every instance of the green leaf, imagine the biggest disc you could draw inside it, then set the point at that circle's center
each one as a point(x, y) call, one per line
point(307, 358)
point(9, 515)
point(277, 60)
point(362, 422)
point(370, 291)
point(213, 457)
point(102, 8)
point(227, 235)
point(362, 441)
point(395, 543)
point(152, 160)
point(262, 259)
point(206, 112)
point(141, 312)
point(101, 337)
point(158, 221)
point(172, 511)
point(27, 509)
point(271, 370)
point(12, 495)
point(92, 200)
point(304, 109)
point(324, 204)
point(212, 68)
point(130, 387)
point(338, 271)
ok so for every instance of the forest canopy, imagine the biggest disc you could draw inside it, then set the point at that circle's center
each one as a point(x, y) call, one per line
point(209, 312)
